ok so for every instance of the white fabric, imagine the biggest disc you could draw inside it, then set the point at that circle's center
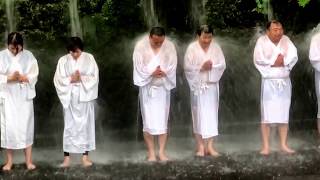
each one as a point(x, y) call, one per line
point(204, 87)
point(276, 84)
point(314, 56)
point(16, 99)
point(77, 100)
point(154, 93)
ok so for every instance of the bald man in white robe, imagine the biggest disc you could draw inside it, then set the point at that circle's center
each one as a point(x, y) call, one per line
point(314, 56)
point(274, 56)
point(155, 61)
point(204, 64)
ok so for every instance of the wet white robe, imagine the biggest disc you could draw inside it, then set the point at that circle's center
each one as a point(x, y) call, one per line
point(204, 86)
point(314, 56)
point(16, 99)
point(77, 100)
point(276, 84)
point(154, 93)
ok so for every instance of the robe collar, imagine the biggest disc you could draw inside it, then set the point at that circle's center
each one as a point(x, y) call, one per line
point(17, 56)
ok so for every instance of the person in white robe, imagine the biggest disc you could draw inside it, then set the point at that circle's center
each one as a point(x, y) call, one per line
point(204, 64)
point(18, 76)
point(76, 82)
point(314, 56)
point(154, 71)
point(274, 57)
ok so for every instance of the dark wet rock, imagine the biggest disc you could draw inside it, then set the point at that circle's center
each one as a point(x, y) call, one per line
point(249, 165)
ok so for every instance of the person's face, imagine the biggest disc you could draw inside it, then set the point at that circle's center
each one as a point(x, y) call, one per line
point(275, 32)
point(205, 39)
point(156, 41)
point(15, 49)
point(76, 53)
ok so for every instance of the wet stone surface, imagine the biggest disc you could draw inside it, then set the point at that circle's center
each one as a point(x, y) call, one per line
point(247, 165)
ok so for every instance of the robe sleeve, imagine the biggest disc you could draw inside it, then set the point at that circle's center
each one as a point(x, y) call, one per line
point(62, 83)
point(217, 69)
point(260, 61)
point(314, 53)
point(191, 69)
point(32, 76)
point(141, 73)
point(3, 77)
point(170, 78)
point(291, 57)
point(89, 82)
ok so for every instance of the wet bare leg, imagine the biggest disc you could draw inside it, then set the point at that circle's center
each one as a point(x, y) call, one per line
point(200, 145)
point(86, 162)
point(28, 157)
point(162, 147)
point(265, 133)
point(210, 148)
point(8, 165)
point(66, 160)
point(283, 132)
point(149, 140)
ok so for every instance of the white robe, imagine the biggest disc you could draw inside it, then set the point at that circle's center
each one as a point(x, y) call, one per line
point(16, 99)
point(154, 93)
point(314, 56)
point(77, 100)
point(204, 87)
point(276, 84)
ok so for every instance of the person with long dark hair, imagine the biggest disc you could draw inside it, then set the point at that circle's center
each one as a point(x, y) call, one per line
point(18, 77)
point(154, 71)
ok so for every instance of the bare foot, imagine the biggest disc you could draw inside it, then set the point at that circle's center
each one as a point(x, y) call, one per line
point(86, 162)
point(200, 153)
point(287, 150)
point(66, 162)
point(163, 157)
point(152, 159)
point(265, 152)
point(7, 167)
point(30, 166)
point(213, 152)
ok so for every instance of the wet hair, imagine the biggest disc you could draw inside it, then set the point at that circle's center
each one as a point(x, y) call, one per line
point(74, 43)
point(15, 39)
point(158, 31)
point(272, 22)
point(204, 29)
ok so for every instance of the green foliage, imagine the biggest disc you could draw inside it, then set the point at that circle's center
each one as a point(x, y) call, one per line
point(45, 19)
point(262, 6)
point(231, 13)
point(303, 3)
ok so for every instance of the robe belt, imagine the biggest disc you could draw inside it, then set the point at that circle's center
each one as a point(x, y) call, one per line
point(202, 87)
point(278, 84)
point(152, 90)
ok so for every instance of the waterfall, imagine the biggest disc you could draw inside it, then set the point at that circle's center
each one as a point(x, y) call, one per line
point(10, 15)
point(198, 11)
point(150, 16)
point(74, 19)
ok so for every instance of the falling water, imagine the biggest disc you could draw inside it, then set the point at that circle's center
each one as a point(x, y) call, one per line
point(10, 15)
point(74, 18)
point(198, 11)
point(150, 16)
point(269, 10)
